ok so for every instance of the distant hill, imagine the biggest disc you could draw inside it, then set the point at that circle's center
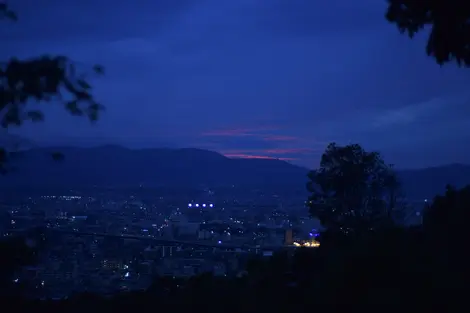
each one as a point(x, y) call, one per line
point(193, 168)
point(428, 182)
point(118, 166)
point(14, 142)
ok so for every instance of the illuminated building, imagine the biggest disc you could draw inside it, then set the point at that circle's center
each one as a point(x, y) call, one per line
point(307, 244)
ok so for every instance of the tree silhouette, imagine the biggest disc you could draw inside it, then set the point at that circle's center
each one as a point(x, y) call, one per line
point(445, 225)
point(397, 206)
point(449, 39)
point(446, 218)
point(348, 191)
point(49, 79)
point(14, 254)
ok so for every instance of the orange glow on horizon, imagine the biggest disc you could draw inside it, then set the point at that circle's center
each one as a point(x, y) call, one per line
point(249, 156)
point(289, 151)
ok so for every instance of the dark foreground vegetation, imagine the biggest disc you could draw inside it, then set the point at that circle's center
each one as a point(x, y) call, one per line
point(389, 269)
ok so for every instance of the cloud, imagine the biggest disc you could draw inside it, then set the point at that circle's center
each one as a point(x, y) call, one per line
point(88, 20)
point(291, 151)
point(237, 132)
point(251, 156)
point(309, 18)
point(263, 133)
point(263, 142)
point(285, 74)
point(437, 123)
point(410, 113)
point(279, 138)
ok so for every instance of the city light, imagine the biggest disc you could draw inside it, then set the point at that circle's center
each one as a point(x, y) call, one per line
point(307, 244)
point(204, 205)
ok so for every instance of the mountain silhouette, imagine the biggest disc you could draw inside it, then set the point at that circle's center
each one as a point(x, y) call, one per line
point(116, 166)
point(13, 142)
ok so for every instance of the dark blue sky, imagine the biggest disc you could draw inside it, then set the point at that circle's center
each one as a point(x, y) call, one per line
point(271, 78)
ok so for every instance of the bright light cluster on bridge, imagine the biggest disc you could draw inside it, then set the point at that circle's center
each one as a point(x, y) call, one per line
point(190, 205)
point(308, 244)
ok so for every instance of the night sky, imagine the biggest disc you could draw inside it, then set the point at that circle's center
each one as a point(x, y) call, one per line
point(249, 78)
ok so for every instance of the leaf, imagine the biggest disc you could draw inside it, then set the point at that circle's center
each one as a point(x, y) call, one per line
point(98, 69)
point(72, 107)
point(82, 83)
point(6, 12)
point(35, 116)
point(57, 156)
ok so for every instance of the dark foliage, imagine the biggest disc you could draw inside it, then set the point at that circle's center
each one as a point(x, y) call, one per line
point(353, 190)
point(48, 79)
point(14, 253)
point(449, 39)
point(445, 221)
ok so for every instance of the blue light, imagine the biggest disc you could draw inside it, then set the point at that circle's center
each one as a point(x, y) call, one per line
point(219, 242)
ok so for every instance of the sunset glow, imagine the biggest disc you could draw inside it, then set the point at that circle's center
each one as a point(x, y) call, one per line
point(263, 157)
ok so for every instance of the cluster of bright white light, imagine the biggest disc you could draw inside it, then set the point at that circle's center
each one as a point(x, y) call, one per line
point(190, 205)
point(308, 244)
